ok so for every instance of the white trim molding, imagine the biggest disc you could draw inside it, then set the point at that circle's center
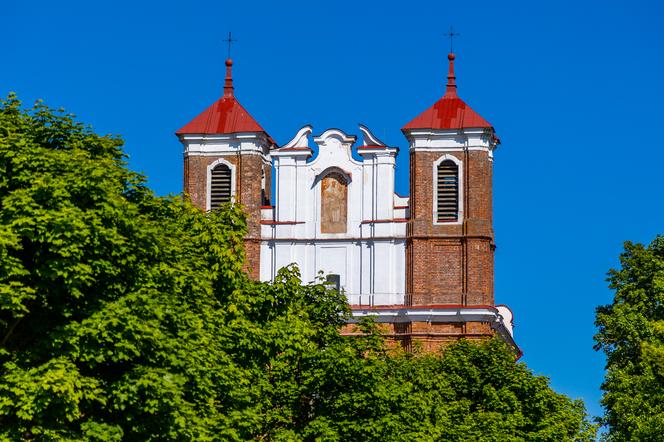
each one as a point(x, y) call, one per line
point(461, 179)
point(245, 143)
point(208, 181)
point(458, 140)
point(408, 314)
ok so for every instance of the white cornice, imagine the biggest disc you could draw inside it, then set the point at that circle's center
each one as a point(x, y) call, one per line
point(243, 143)
point(448, 133)
point(260, 137)
point(378, 151)
point(407, 314)
point(291, 152)
point(221, 153)
point(451, 140)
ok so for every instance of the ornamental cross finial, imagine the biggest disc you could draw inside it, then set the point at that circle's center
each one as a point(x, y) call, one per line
point(451, 35)
point(230, 40)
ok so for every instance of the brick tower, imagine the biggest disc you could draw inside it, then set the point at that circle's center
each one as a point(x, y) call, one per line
point(226, 158)
point(449, 248)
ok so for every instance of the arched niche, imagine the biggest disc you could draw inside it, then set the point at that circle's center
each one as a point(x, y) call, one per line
point(334, 202)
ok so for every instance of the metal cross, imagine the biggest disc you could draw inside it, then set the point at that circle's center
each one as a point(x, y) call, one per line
point(452, 34)
point(230, 41)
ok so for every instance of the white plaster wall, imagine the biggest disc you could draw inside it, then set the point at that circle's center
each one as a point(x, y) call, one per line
point(372, 272)
point(370, 255)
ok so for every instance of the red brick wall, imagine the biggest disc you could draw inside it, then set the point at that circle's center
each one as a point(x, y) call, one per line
point(195, 178)
point(479, 285)
point(427, 336)
point(248, 191)
point(252, 249)
point(450, 263)
point(436, 274)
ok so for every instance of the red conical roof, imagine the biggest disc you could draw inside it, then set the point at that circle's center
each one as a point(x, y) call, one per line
point(225, 116)
point(450, 112)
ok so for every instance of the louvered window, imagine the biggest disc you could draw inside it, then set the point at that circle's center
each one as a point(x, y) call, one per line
point(220, 186)
point(447, 199)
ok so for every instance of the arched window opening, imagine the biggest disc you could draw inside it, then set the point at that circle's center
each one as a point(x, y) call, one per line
point(220, 186)
point(447, 198)
point(334, 203)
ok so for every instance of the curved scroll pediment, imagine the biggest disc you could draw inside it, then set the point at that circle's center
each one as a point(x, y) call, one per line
point(335, 137)
point(301, 138)
point(369, 138)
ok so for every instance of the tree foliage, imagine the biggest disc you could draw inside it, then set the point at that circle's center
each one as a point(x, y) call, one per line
point(631, 333)
point(126, 316)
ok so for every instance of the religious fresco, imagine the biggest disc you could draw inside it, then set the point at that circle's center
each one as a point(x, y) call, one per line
point(334, 203)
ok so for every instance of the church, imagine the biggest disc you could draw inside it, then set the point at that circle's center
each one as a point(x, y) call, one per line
point(421, 265)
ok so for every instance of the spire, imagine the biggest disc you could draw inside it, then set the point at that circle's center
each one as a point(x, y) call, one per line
point(450, 90)
point(450, 112)
point(228, 84)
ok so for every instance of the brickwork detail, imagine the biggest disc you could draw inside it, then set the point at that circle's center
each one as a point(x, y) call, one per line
point(450, 263)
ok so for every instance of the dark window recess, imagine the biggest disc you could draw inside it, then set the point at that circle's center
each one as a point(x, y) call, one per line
point(265, 201)
point(265, 198)
point(447, 199)
point(220, 186)
point(333, 281)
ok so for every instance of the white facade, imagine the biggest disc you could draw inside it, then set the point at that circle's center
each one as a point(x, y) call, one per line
point(368, 253)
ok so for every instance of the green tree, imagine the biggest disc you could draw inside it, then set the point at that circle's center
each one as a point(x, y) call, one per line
point(469, 392)
point(631, 333)
point(126, 316)
point(107, 293)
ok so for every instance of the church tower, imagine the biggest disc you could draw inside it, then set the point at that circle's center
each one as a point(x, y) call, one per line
point(420, 266)
point(226, 159)
point(450, 245)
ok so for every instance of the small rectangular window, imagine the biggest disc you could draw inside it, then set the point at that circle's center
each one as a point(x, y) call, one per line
point(333, 281)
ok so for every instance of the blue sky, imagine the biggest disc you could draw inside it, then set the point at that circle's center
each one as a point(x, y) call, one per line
point(574, 90)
